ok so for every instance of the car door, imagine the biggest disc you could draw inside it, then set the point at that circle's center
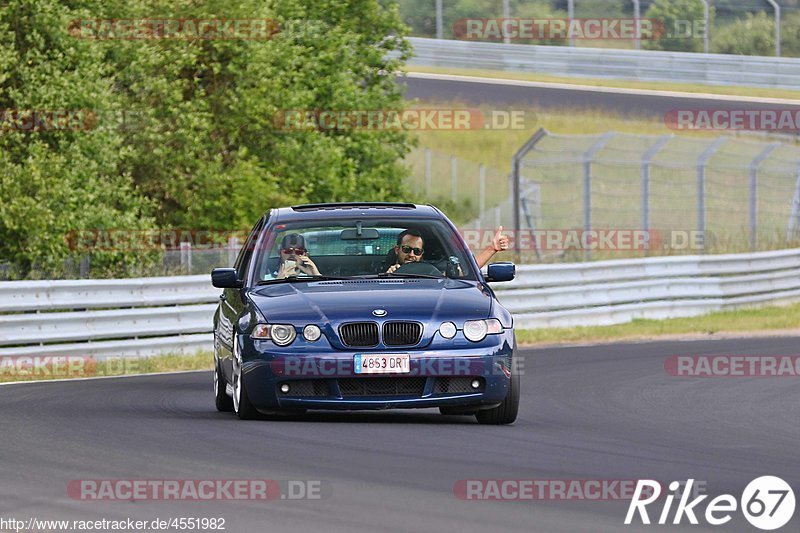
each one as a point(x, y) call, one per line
point(232, 302)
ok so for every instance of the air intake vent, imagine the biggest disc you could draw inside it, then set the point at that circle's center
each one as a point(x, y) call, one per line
point(359, 334)
point(401, 333)
point(406, 386)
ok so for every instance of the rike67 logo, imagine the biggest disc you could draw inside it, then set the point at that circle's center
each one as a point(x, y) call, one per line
point(767, 503)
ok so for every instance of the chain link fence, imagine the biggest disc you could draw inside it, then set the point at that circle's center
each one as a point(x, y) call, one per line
point(733, 194)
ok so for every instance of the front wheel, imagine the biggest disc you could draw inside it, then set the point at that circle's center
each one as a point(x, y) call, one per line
point(506, 412)
point(241, 403)
point(221, 399)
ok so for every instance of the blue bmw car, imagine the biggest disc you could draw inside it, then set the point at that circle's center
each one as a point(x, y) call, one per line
point(362, 306)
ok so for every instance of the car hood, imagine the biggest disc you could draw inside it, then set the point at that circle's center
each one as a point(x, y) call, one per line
point(334, 302)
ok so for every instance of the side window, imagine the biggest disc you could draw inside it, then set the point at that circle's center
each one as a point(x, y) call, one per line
point(247, 250)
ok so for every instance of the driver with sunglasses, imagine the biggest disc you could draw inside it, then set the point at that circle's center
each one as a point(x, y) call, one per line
point(408, 249)
point(294, 258)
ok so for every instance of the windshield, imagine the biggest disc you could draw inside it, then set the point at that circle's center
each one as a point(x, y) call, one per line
point(362, 248)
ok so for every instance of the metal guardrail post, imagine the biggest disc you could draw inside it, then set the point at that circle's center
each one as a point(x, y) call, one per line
point(754, 192)
point(637, 16)
point(646, 159)
point(588, 156)
point(794, 215)
point(516, 163)
point(701, 187)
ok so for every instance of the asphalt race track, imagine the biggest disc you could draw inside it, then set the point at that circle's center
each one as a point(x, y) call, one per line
point(562, 96)
point(602, 413)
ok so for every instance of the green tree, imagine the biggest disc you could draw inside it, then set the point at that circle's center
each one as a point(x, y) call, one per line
point(52, 181)
point(680, 24)
point(753, 35)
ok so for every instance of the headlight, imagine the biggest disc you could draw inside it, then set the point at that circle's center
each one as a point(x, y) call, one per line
point(476, 330)
point(280, 334)
point(312, 333)
point(447, 330)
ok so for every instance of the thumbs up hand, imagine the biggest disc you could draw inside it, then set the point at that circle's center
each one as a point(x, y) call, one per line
point(500, 241)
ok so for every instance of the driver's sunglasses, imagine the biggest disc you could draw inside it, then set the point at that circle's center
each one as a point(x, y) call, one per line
point(295, 251)
point(408, 249)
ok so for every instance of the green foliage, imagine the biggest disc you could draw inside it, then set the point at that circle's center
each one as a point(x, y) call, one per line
point(203, 150)
point(753, 35)
point(682, 28)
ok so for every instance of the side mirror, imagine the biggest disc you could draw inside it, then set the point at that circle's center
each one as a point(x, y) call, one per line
point(500, 271)
point(225, 278)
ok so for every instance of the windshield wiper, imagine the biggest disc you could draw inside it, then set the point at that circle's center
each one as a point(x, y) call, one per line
point(396, 275)
point(303, 278)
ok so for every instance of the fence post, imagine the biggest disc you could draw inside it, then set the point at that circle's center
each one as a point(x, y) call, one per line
point(453, 178)
point(516, 164)
point(233, 247)
point(481, 189)
point(186, 257)
point(588, 156)
point(570, 16)
point(637, 15)
point(706, 28)
point(777, 9)
point(701, 188)
point(646, 160)
point(428, 155)
point(794, 215)
point(439, 22)
point(506, 16)
point(754, 193)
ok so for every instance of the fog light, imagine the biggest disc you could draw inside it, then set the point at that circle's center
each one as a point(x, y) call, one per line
point(447, 330)
point(285, 388)
point(312, 333)
point(475, 384)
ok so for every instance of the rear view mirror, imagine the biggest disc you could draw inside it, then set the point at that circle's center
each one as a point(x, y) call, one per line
point(352, 234)
point(504, 271)
point(225, 278)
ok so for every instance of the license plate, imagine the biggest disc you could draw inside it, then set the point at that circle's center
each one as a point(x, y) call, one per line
point(381, 363)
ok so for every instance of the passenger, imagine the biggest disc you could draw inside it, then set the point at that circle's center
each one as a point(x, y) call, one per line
point(294, 258)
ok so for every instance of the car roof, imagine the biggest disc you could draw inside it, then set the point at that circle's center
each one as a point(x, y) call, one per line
point(350, 209)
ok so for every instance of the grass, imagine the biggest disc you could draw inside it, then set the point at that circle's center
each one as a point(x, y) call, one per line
point(737, 322)
point(600, 82)
point(65, 367)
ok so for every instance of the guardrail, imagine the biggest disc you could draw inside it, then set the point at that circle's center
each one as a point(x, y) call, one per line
point(116, 317)
point(636, 65)
point(146, 316)
point(613, 292)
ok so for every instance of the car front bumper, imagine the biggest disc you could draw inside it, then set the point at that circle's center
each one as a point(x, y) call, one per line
point(325, 379)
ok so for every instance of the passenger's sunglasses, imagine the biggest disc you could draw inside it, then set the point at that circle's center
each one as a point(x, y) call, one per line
point(295, 251)
point(408, 249)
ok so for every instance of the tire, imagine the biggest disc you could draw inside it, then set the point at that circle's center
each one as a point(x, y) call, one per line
point(506, 412)
point(241, 403)
point(223, 402)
